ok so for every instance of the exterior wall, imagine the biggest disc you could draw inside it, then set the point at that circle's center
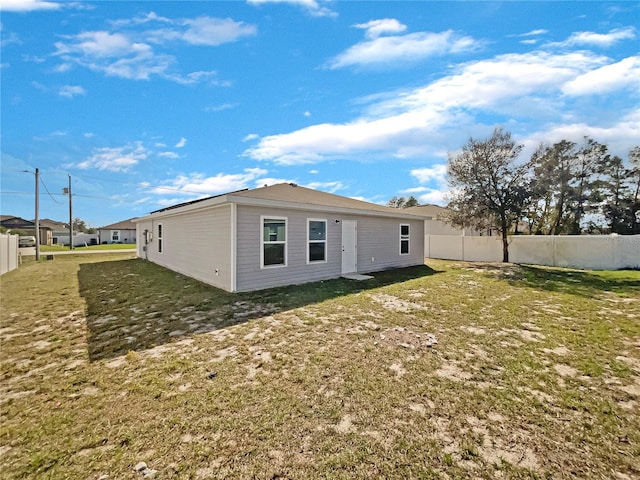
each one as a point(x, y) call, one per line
point(8, 253)
point(126, 236)
point(379, 244)
point(196, 244)
point(378, 241)
point(597, 252)
point(438, 227)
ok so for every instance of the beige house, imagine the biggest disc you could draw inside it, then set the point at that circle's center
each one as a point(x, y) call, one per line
point(435, 221)
point(279, 235)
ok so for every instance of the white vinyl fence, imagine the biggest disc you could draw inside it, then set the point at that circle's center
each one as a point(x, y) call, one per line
point(8, 253)
point(79, 239)
point(596, 252)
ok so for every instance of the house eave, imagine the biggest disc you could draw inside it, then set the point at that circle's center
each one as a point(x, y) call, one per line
point(229, 199)
point(259, 202)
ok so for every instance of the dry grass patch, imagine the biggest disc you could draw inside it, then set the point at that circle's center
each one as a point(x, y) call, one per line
point(111, 361)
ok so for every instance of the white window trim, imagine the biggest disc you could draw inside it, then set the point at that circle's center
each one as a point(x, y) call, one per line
point(262, 242)
point(406, 238)
point(325, 241)
point(159, 236)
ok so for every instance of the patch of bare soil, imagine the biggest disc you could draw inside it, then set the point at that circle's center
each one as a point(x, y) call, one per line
point(396, 304)
point(452, 371)
point(503, 271)
point(403, 337)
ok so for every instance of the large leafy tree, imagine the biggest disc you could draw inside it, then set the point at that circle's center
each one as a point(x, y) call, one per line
point(614, 195)
point(565, 186)
point(634, 198)
point(490, 188)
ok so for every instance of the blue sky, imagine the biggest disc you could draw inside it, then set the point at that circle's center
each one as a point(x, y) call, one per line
point(148, 104)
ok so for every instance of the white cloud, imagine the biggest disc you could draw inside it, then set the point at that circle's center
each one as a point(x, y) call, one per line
point(28, 5)
point(268, 181)
point(603, 40)
point(70, 91)
point(375, 28)
point(221, 107)
point(620, 136)
point(251, 136)
point(215, 31)
point(607, 78)
point(436, 173)
point(118, 159)
point(533, 33)
point(114, 54)
point(197, 183)
point(181, 143)
point(134, 54)
point(434, 196)
point(427, 119)
point(168, 154)
point(330, 187)
point(307, 114)
point(387, 51)
point(311, 6)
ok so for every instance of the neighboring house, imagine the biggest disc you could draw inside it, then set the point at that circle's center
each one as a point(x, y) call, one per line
point(11, 222)
point(435, 221)
point(55, 231)
point(121, 232)
point(28, 226)
point(279, 235)
point(59, 231)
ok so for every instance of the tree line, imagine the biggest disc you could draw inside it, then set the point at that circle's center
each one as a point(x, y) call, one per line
point(563, 189)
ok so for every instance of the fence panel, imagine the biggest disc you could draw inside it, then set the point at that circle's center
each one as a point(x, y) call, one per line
point(628, 251)
point(8, 253)
point(597, 252)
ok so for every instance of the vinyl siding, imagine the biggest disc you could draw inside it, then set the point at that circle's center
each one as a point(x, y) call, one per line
point(195, 244)
point(377, 238)
point(250, 276)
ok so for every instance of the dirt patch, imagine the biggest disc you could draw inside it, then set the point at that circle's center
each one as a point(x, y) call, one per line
point(451, 371)
point(405, 338)
point(398, 369)
point(345, 425)
point(396, 304)
point(560, 351)
point(565, 370)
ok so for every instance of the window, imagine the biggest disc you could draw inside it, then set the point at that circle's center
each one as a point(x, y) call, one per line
point(115, 235)
point(404, 239)
point(317, 238)
point(274, 242)
point(159, 238)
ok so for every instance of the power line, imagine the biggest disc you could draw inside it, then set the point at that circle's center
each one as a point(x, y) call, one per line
point(113, 199)
point(45, 187)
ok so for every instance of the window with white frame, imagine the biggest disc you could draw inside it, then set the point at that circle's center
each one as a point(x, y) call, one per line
point(115, 235)
point(404, 239)
point(159, 238)
point(317, 240)
point(274, 242)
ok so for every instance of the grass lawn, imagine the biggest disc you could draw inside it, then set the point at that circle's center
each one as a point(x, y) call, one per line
point(108, 361)
point(111, 246)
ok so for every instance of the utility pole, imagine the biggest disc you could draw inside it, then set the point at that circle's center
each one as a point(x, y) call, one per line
point(37, 214)
point(70, 216)
point(68, 191)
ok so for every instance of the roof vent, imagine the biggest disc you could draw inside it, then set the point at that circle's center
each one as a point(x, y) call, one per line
point(293, 184)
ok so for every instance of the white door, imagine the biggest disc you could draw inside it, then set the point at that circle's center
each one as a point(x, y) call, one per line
point(349, 246)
